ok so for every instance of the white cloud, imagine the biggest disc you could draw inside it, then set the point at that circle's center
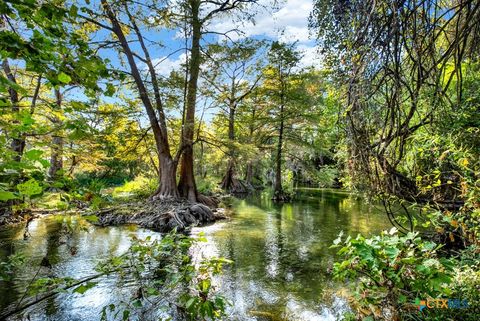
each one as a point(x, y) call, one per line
point(310, 56)
point(165, 65)
point(288, 22)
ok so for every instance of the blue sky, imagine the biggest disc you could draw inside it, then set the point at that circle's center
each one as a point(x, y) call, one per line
point(287, 22)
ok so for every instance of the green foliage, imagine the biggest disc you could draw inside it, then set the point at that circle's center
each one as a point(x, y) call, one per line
point(167, 274)
point(325, 176)
point(53, 201)
point(84, 287)
point(140, 187)
point(29, 188)
point(288, 182)
point(8, 267)
point(209, 185)
point(48, 284)
point(389, 271)
point(53, 48)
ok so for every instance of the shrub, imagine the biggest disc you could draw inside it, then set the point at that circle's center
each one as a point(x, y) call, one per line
point(208, 185)
point(388, 271)
point(140, 187)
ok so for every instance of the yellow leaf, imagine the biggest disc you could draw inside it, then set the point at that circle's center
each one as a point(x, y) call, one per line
point(464, 162)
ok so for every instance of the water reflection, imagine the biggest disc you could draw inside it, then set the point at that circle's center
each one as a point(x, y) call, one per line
point(281, 254)
point(75, 256)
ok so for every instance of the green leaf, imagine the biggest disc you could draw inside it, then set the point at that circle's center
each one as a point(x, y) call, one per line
point(152, 291)
point(423, 269)
point(73, 11)
point(29, 188)
point(137, 303)
point(91, 218)
point(392, 252)
point(45, 163)
point(364, 251)
point(78, 106)
point(64, 78)
point(85, 287)
point(110, 90)
point(5, 196)
point(33, 154)
point(189, 303)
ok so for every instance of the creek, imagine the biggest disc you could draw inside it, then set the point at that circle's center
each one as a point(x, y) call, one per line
point(281, 253)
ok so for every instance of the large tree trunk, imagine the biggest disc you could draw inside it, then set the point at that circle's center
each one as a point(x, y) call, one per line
point(168, 179)
point(228, 178)
point(18, 142)
point(187, 186)
point(56, 158)
point(168, 165)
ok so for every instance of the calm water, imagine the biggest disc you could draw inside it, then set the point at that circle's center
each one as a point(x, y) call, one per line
point(281, 255)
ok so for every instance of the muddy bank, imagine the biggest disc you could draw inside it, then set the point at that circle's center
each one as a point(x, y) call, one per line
point(160, 215)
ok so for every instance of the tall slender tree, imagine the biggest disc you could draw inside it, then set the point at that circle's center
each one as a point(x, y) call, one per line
point(282, 60)
point(236, 73)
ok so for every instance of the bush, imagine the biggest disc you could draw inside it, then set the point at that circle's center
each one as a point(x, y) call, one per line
point(140, 187)
point(326, 176)
point(389, 271)
point(208, 185)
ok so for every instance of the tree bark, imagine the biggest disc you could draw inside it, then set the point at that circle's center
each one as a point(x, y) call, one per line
point(229, 177)
point(187, 186)
point(168, 179)
point(168, 165)
point(18, 142)
point(278, 190)
point(56, 158)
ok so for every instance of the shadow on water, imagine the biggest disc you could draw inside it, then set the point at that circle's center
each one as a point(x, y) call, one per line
point(281, 254)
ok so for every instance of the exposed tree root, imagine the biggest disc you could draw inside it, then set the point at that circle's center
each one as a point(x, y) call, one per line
point(236, 186)
point(281, 197)
point(210, 201)
point(162, 215)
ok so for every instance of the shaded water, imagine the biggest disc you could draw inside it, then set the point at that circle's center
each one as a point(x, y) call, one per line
point(281, 255)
